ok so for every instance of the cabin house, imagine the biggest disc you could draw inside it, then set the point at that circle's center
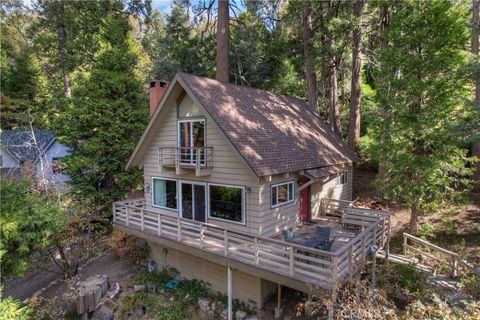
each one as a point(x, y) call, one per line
point(236, 181)
point(36, 153)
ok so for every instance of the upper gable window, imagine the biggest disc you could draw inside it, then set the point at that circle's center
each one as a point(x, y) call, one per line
point(187, 108)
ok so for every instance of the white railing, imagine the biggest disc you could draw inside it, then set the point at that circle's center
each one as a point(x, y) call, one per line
point(455, 263)
point(333, 207)
point(185, 157)
point(319, 267)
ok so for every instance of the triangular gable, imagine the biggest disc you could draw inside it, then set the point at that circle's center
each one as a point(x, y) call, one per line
point(171, 95)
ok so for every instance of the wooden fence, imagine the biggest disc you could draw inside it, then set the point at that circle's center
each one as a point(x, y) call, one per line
point(449, 259)
point(322, 268)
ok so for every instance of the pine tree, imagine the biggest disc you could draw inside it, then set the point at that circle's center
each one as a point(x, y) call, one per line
point(419, 85)
point(106, 117)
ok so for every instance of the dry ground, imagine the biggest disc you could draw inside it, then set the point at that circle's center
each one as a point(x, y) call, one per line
point(456, 228)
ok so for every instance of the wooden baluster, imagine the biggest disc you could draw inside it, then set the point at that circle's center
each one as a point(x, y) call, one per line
point(257, 246)
point(159, 224)
point(127, 213)
point(405, 243)
point(142, 219)
point(225, 242)
point(454, 267)
point(334, 272)
point(179, 229)
point(114, 208)
point(292, 260)
point(202, 231)
point(364, 251)
point(350, 262)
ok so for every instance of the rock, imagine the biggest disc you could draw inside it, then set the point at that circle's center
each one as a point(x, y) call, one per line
point(240, 315)
point(139, 287)
point(401, 300)
point(152, 266)
point(104, 311)
point(172, 299)
point(114, 291)
point(204, 304)
point(151, 287)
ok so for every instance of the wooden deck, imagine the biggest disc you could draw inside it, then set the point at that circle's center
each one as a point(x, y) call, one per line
point(317, 267)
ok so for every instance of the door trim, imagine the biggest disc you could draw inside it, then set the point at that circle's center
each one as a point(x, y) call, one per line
point(180, 206)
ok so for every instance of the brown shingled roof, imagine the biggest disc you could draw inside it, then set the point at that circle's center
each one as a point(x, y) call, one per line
point(273, 133)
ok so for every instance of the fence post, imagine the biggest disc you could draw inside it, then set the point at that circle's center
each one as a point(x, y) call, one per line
point(142, 219)
point(159, 226)
point(292, 261)
point(225, 242)
point(364, 252)
point(256, 245)
point(127, 214)
point(114, 212)
point(179, 229)
point(405, 243)
point(454, 267)
point(202, 229)
point(350, 262)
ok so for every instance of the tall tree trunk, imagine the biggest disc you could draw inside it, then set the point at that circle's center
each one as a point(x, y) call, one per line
point(223, 39)
point(413, 220)
point(385, 22)
point(356, 88)
point(334, 112)
point(475, 39)
point(62, 51)
point(310, 76)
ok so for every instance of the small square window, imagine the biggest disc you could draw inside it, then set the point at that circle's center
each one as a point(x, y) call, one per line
point(343, 178)
point(282, 193)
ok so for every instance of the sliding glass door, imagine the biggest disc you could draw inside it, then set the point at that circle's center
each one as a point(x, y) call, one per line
point(191, 135)
point(193, 202)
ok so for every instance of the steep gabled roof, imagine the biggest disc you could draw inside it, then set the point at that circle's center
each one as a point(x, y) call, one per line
point(26, 145)
point(273, 133)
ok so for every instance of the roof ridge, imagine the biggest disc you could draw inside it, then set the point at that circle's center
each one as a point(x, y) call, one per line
point(247, 88)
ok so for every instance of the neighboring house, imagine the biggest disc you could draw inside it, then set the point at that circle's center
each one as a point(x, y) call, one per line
point(38, 148)
point(227, 168)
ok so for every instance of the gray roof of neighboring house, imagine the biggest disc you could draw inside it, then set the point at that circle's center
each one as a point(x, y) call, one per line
point(26, 145)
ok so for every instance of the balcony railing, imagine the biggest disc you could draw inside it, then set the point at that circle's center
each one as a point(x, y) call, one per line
point(197, 158)
point(318, 267)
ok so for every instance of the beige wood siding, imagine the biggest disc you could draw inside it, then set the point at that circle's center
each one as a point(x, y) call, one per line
point(247, 288)
point(228, 168)
point(330, 189)
point(274, 220)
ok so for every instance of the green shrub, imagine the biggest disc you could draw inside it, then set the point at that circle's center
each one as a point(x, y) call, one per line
point(409, 278)
point(11, 309)
point(178, 311)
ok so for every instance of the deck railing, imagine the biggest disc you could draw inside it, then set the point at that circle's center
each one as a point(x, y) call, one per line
point(193, 157)
point(430, 252)
point(333, 207)
point(322, 268)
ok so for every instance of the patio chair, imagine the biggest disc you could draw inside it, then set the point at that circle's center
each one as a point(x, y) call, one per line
point(322, 233)
point(325, 245)
point(288, 234)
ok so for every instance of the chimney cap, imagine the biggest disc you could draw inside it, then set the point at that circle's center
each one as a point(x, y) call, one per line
point(162, 83)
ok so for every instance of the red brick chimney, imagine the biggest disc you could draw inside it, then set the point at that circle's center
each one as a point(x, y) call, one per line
point(157, 90)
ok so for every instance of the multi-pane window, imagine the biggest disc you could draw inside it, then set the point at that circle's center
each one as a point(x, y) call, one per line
point(343, 178)
point(282, 193)
point(227, 202)
point(165, 193)
point(191, 139)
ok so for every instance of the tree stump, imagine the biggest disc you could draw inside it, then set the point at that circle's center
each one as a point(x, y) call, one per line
point(91, 292)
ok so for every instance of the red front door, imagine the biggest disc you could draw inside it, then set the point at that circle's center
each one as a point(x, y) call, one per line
point(305, 204)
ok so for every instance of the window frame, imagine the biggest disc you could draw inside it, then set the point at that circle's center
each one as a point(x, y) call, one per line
point(344, 173)
point(276, 185)
point(191, 121)
point(243, 222)
point(153, 193)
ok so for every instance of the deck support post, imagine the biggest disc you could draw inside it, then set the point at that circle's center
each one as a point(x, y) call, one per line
point(278, 309)
point(331, 307)
point(229, 292)
point(159, 225)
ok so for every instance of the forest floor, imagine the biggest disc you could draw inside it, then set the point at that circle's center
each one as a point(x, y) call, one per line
point(456, 227)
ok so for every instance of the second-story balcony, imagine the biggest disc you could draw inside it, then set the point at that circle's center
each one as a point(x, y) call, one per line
point(186, 159)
